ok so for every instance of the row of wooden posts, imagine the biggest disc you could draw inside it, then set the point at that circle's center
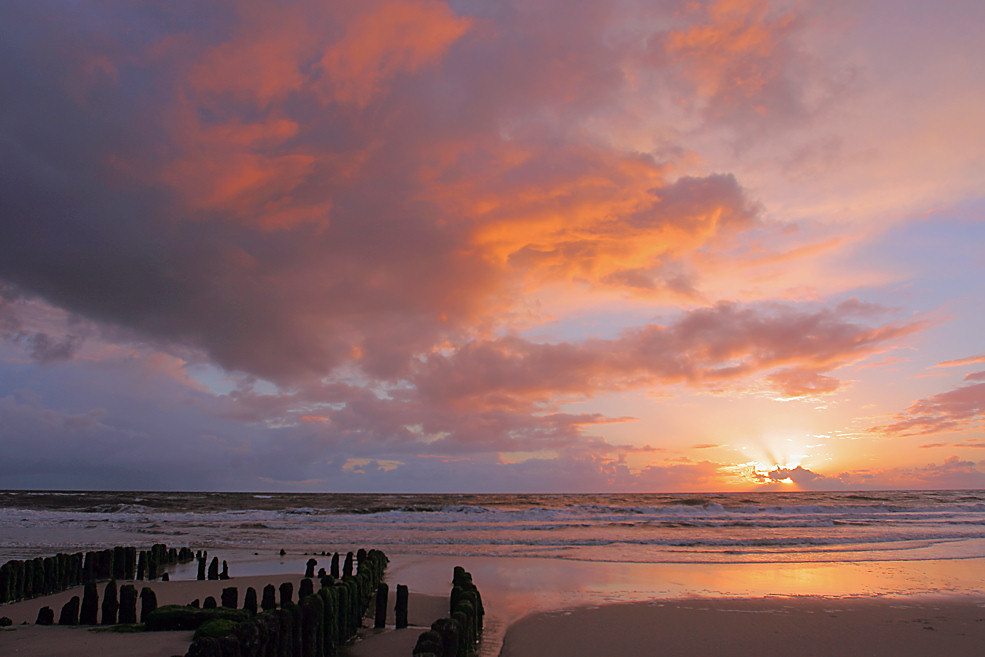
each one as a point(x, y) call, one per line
point(31, 578)
point(458, 635)
point(213, 571)
point(118, 606)
point(318, 624)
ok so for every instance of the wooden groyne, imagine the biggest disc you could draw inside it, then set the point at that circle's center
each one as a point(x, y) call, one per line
point(33, 578)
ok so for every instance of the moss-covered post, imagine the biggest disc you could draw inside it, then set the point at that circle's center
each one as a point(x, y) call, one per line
point(400, 609)
point(306, 588)
point(312, 635)
point(230, 597)
point(111, 604)
point(89, 611)
point(382, 596)
point(250, 600)
point(148, 603)
point(70, 612)
point(128, 604)
point(269, 600)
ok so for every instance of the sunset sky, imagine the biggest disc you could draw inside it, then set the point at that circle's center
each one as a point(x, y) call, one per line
point(416, 245)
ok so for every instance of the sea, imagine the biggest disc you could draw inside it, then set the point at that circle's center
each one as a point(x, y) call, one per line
point(766, 527)
point(530, 553)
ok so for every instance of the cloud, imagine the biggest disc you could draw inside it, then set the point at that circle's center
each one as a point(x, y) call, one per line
point(958, 410)
point(971, 360)
point(953, 473)
point(328, 231)
point(705, 346)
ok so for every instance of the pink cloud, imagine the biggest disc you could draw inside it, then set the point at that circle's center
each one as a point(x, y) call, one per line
point(957, 410)
point(709, 345)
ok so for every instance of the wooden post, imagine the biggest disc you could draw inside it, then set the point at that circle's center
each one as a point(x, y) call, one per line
point(70, 612)
point(382, 595)
point(403, 597)
point(269, 600)
point(89, 611)
point(250, 600)
point(110, 603)
point(286, 593)
point(128, 604)
point(148, 603)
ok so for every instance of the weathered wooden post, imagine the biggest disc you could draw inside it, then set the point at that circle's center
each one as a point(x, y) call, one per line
point(130, 561)
point(225, 570)
point(128, 604)
point(70, 612)
point(306, 588)
point(141, 564)
point(89, 611)
point(347, 567)
point(209, 603)
point(89, 567)
point(214, 568)
point(201, 568)
point(309, 568)
point(335, 566)
point(286, 593)
point(110, 603)
point(400, 610)
point(312, 636)
point(119, 563)
point(250, 600)
point(269, 600)
point(230, 597)
point(45, 616)
point(148, 603)
point(382, 596)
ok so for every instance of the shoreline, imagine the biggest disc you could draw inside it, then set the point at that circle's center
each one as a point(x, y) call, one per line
point(529, 598)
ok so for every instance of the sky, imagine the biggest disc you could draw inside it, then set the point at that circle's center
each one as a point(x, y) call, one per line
point(512, 246)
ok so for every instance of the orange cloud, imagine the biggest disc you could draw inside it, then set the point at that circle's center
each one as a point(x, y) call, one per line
point(734, 55)
point(392, 38)
point(971, 360)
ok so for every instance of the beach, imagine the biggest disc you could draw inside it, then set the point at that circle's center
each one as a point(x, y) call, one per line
point(811, 627)
point(811, 573)
point(534, 616)
point(29, 640)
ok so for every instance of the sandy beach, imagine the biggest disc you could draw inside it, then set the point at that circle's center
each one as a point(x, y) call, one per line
point(519, 626)
point(807, 627)
point(84, 641)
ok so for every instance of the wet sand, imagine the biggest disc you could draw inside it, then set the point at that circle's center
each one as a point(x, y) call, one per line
point(806, 627)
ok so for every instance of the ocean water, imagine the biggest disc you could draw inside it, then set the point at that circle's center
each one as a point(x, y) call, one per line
point(772, 528)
